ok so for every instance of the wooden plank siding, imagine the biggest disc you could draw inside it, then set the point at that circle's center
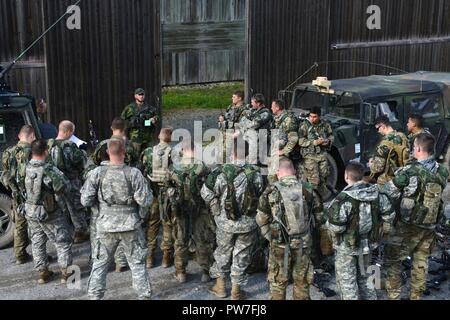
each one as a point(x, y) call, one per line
point(286, 37)
point(203, 41)
point(93, 71)
point(20, 24)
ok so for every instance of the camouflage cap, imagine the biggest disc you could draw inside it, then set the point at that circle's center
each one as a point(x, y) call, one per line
point(139, 91)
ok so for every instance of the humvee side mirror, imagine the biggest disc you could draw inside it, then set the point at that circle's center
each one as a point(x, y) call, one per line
point(369, 113)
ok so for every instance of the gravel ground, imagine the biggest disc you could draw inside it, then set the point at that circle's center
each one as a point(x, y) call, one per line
point(20, 282)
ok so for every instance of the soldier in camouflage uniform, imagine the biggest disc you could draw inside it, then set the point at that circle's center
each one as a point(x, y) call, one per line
point(415, 127)
point(14, 161)
point(284, 218)
point(157, 161)
point(259, 117)
point(123, 198)
point(46, 221)
point(66, 156)
point(287, 135)
point(143, 121)
point(119, 128)
point(419, 188)
point(191, 217)
point(315, 139)
point(232, 192)
point(390, 154)
point(354, 218)
point(227, 122)
point(234, 112)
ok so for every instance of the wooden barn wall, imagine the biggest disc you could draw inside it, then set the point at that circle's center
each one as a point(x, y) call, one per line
point(20, 24)
point(284, 38)
point(293, 34)
point(203, 41)
point(415, 20)
point(93, 71)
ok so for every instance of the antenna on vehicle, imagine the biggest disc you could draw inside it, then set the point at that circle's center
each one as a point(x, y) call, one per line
point(20, 56)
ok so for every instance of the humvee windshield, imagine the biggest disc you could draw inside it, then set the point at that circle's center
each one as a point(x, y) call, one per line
point(13, 116)
point(342, 105)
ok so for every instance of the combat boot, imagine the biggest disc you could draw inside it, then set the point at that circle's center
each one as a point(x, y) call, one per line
point(23, 259)
point(180, 276)
point(150, 260)
point(44, 276)
point(120, 269)
point(167, 260)
point(205, 277)
point(80, 237)
point(219, 288)
point(237, 293)
point(64, 275)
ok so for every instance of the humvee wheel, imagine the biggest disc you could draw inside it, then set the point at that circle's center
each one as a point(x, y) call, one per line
point(332, 178)
point(6, 224)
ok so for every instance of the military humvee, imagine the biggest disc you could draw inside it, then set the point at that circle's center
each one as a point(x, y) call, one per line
point(16, 110)
point(352, 105)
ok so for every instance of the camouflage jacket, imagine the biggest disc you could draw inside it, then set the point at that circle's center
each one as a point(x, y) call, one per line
point(100, 154)
point(386, 160)
point(14, 161)
point(188, 177)
point(122, 195)
point(232, 116)
point(287, 124)
point(271, 212)
point(157, 164)
point(419, 188)
point(44, 183)
point(253, 119)
point(309, 132)
point(67, 157)
point(356, 215)
point(140, 127)
point(215, 193)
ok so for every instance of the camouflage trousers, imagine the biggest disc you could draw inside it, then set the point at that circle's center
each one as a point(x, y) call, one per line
point(233, 254)
point(200, 225)
point(154, 224)
point(259, 254)
point(76, 210)
point(55, 229)
point(21, 239)
point(315, 170)
point(204, 236)
point(299, 269)
point(351, 275)
point(408, 240)
point(135, 249)
point(119, 256)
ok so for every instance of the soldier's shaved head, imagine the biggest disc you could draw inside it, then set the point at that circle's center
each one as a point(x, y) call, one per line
point(426, 142)
point(116, 148)
point(119, 124)
point(355, 171)
point(26, 130)
point(39, 148)
point(66, 126)
point(166, 135)
point(285, 168)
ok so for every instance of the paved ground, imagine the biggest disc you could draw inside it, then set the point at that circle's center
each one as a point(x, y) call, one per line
point(19, 282)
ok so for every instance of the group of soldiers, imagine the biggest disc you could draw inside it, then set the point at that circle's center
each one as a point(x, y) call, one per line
point(230, 212)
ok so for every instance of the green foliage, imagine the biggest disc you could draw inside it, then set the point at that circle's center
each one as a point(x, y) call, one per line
point(211, 96)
